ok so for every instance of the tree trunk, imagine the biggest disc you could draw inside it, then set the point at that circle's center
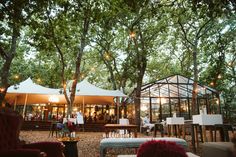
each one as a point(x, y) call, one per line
point(194, 92)
point(110, 70)
point(78, 62)
point(4, 78)
point(7, 57)
point(141, 67)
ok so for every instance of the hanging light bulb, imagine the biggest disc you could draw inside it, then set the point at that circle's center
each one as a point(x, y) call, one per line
point(1, 90)
point(16, 77)
point(132, 34)
point(93, 69)
point(38, 80)
point(82, 76)
point(107, 56)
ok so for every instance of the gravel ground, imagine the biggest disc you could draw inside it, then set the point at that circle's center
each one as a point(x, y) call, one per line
point(88, 145)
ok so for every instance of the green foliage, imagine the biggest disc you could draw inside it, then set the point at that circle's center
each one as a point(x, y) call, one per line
point(159, 41)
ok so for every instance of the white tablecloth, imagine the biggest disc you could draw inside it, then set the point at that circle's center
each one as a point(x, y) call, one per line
point(124, 121)
point(207, 119)
point(174, 120)
point(70, 119)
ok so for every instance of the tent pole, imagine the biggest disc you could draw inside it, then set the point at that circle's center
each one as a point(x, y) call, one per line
point(83, 105)
point(26, 97)
point(118, 116)
point(15, 103)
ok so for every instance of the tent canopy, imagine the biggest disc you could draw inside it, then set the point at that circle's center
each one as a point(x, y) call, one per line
point(91, 94)
point(30, 93)
point(85, 88)
point(85, 93)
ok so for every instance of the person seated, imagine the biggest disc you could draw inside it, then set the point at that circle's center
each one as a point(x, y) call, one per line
point(146, 123)
point(59, 126)
point(157, 148)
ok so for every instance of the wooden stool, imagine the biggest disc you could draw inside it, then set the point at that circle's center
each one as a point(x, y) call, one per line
point(195, 128)
point(224, 131)
point(158, 127)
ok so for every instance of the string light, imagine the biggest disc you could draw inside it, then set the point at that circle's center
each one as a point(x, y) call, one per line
point(38, 80)
point(132, 35)
point(219, 76)
point(1, 90)
point(92, 69)
point(212, 83)
point(107, 56)
point(16, 77)
point(82, 76)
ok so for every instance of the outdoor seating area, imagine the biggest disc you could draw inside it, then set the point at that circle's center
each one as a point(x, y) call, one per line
point(98, 78)
point(121, 136)
point(199, 135)
point(89, 143)
point(119, 145)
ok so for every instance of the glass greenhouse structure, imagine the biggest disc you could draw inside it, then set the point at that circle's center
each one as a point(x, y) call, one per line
point(162, 98)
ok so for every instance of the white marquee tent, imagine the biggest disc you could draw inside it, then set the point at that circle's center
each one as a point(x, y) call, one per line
point(28, 92)
point(90, 94)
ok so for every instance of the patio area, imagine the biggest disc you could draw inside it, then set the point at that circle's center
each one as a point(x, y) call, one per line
point(88, 145)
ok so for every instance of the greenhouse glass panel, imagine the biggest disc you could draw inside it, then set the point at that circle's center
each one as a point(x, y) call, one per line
point(175, 95)
point(155, 109)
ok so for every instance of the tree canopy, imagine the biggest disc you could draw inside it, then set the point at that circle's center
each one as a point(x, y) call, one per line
point(118, 44)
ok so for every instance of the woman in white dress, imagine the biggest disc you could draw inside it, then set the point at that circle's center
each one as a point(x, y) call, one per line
point(146, 123)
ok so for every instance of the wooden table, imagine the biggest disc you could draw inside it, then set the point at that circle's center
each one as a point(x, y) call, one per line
point(111, 127)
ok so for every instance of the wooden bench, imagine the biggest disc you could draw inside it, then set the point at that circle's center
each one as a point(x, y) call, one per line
point(134, 143)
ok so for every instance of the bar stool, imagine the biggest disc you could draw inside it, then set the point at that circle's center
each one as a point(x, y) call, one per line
point(211, 128)
point(173, 130)
point(195, 129)
point(224, 131)
point(158, 127)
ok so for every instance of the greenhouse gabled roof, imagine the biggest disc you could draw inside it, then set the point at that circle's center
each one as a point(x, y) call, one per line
point(174, 86)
